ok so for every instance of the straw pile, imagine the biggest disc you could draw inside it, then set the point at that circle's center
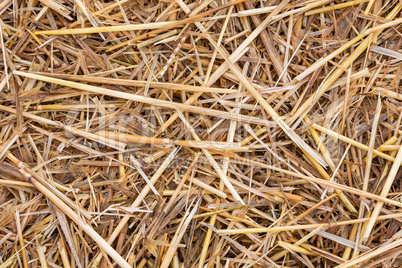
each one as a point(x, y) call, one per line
point(200, 133)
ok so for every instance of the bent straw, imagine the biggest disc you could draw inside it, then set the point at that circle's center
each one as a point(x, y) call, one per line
point(107, 29)
point(136, 83)
point(130, 138)
point(147, 100)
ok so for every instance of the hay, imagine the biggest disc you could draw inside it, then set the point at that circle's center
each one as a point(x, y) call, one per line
point(200, 133)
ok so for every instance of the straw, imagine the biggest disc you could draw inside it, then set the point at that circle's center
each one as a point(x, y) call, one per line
point(200, 133)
